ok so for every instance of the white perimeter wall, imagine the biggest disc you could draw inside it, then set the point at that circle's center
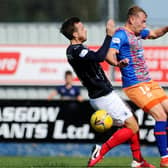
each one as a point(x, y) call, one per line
point(14, 33)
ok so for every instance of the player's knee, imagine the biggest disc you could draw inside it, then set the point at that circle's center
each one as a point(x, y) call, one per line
point(159, 116)
point(158, 113)
point(135, 128)
point(132, 124)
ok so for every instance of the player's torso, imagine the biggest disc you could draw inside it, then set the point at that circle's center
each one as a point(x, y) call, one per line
point(90, 74)
point(137, 70)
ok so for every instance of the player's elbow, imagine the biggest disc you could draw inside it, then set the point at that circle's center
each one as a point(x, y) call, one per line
point(100, 57)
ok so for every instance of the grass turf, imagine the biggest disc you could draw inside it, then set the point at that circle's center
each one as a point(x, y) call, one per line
point(67, 162)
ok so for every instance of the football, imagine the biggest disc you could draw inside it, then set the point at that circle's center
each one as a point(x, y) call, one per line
point(101, 121)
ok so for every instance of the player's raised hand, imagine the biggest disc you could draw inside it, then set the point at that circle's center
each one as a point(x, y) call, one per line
point(122, 63)
point(110, 27)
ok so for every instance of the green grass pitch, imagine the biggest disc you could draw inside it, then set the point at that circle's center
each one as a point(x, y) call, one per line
point(67, 162)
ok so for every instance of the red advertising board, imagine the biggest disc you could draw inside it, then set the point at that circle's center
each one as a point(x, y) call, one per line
point(8, 62)
point(157, 61)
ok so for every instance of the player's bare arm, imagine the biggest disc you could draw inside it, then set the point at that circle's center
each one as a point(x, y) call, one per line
point(158, 32)
point(111, 56)
point(112, 60)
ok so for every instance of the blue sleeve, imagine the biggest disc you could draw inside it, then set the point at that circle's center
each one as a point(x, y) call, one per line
point(97, 56)
point(118, 39)
point(144, 33)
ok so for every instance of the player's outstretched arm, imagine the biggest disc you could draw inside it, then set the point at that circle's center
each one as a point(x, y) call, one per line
point(111, 56)
point(158, 32)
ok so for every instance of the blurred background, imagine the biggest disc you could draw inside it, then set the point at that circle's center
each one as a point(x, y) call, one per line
point(33, 63)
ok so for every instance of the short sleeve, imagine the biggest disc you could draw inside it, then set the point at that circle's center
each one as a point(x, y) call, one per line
point(77, 91)
point(144, 33)
point(118, 39)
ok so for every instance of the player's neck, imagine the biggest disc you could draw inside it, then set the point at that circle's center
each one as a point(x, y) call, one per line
point(129, 28)
point(75, 41)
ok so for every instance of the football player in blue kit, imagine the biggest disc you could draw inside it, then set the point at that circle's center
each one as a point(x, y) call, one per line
point(137, 83)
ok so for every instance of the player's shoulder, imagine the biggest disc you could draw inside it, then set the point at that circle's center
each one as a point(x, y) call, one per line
point(77, 49)
point(120, 32)
point(119, 35)
point(144, 33)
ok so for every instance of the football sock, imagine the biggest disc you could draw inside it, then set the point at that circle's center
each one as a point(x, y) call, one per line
point(135, 147)
point(161, 137)
point(119, 137)
point(167, 134)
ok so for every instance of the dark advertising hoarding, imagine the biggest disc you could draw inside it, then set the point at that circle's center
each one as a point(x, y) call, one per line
point(58, 121)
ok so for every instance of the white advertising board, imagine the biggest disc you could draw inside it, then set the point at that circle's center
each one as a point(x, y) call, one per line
point(36, 64)
point(33, 65)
